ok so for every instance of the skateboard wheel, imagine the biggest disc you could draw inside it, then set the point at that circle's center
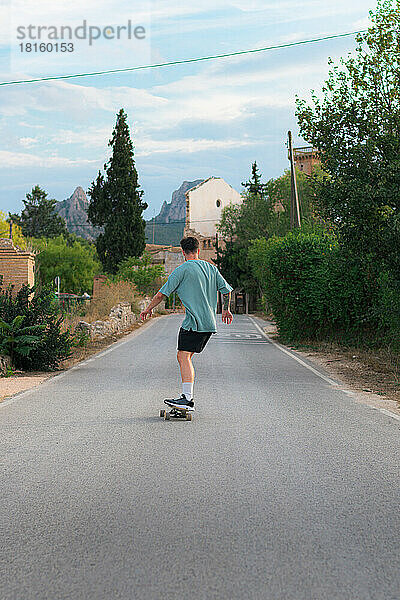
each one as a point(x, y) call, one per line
point(188, 416)
point(162, 412)
point(167, 416)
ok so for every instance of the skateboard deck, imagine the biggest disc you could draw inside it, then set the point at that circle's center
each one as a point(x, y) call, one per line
point(176, 413)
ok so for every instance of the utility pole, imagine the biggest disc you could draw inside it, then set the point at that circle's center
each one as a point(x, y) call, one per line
point(154, 223)
point(294, 198)
point(10, 236)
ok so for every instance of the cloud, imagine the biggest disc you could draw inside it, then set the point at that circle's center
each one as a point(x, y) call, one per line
point(28, 142)
point(31, 125)
point(149, 147)
point(62, 95)
point(363, 23)
point(21, 159)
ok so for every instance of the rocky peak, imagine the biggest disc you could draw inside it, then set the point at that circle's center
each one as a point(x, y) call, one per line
point(74, 211)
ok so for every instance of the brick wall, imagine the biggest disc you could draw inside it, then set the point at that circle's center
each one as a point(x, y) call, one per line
point(17, 267)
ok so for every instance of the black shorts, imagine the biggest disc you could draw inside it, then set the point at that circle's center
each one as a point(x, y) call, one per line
point(192, 341)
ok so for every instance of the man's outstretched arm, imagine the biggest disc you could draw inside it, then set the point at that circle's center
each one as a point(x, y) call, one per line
point(226, 314)
point(147, 312)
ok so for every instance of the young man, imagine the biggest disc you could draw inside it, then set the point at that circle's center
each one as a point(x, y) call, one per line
point(196, 282)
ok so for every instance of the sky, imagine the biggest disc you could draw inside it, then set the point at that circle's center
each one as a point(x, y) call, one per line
point(187, 121)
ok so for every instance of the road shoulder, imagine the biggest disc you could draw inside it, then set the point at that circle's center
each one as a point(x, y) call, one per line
point(363, 375)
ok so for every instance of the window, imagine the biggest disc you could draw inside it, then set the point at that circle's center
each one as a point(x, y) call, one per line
point(218, 203)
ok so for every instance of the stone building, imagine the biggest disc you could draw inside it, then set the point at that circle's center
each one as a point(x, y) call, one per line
point(168, 256)
point(305, 159)
point(204, 204)
point(17, 267)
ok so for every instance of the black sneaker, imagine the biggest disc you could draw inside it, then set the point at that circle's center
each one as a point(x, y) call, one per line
point(181, 403)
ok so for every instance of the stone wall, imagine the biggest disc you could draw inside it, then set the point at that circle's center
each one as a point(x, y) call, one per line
point(120, 319)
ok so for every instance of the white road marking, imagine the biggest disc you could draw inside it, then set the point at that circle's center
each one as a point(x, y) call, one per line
point(327, 379)
point(389, 413)
point(330, 381)
point(261, 342)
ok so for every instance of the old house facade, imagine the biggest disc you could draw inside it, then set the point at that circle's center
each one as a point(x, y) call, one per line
point(204, 204)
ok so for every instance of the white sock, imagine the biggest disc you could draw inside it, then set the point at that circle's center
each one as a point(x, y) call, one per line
point(187, 389)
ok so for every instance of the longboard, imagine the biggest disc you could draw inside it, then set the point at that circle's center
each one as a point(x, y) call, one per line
point(176, 413)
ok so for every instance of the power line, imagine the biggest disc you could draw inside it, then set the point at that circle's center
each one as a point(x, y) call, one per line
point(151, 222)
point(184, 61)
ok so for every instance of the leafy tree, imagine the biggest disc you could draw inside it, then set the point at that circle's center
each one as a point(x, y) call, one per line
point(116, 202)
point(141, 272)
point(265, 212)
point(74, 262)
point(234, 265)
point(356, 127)
point(17, 237)
point(39, 218)
point(16, 340)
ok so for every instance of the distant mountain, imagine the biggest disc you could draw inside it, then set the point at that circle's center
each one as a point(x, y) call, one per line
point(165, 226)
point(73, 210)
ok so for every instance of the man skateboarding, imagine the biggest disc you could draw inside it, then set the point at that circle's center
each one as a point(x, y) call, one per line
point(196, 282)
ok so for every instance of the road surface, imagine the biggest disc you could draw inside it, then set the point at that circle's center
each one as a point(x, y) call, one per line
point(282, 487)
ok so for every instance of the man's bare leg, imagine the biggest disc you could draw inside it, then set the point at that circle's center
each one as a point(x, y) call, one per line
point(187, 373)
point(186, 366)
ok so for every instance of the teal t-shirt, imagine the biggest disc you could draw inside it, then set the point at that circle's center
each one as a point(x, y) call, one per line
point(197, 282)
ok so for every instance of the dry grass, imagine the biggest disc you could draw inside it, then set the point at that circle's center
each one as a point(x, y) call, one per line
point(110, 295)
point(379, 367)
point(99, 308)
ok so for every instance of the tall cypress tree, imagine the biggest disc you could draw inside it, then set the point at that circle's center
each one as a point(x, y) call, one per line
point(254, 187)
point(116, 202)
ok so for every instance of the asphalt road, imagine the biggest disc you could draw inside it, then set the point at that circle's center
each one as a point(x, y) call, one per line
point(281, 488)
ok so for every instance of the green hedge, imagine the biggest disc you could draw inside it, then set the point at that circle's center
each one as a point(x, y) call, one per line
point(318, 291)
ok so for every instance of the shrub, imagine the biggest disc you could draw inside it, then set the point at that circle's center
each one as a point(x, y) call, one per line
point(316, 290)
point(41, 309)
point(16, 340)
point(109, 295)
point(287, 269)
point(146, 276)
point(387, 309)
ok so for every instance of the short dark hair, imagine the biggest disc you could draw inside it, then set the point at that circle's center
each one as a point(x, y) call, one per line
point(189, 245)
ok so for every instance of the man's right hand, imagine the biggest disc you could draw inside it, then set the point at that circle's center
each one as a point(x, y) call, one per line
point(227, 317)
point(146, 313)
